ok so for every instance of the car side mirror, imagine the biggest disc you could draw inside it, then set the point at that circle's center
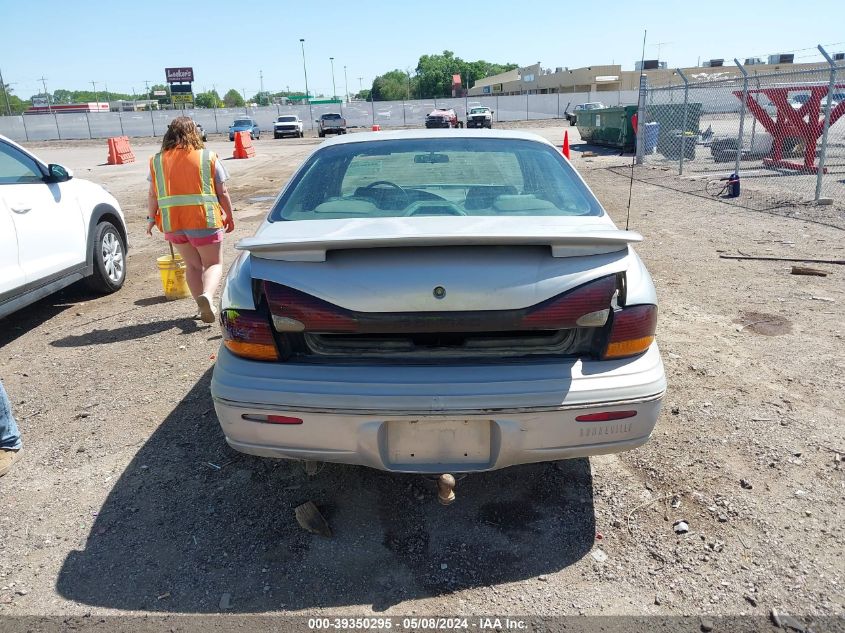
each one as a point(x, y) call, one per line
point(58, 173)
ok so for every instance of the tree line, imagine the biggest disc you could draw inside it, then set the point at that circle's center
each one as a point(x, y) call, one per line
point(431, 78)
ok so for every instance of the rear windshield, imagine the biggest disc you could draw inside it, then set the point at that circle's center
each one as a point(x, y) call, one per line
point(441, 176)
point(330, 116)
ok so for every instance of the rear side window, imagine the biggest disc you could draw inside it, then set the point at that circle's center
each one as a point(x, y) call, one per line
point(461, 176)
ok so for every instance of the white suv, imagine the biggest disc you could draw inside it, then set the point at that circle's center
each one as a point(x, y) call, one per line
point(54, 231)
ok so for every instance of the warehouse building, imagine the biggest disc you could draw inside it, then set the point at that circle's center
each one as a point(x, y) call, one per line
point(535, 79)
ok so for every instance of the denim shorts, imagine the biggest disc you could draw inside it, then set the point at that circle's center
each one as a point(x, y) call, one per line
point(195, 237)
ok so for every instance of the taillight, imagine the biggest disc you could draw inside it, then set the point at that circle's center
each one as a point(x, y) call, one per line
point(632, 331)
point(585, 306)
point(247, 333)
point(295, 311)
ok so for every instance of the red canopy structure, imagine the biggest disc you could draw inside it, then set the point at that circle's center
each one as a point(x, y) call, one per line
point(802, 125)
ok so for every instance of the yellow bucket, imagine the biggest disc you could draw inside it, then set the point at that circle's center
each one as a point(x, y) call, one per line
point(172, 271)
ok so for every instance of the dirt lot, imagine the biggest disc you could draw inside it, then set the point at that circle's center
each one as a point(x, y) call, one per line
point(129, 501)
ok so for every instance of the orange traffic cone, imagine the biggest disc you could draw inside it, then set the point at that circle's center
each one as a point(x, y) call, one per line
point(566, 143)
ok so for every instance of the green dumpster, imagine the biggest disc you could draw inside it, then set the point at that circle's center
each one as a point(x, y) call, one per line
point(610, 127)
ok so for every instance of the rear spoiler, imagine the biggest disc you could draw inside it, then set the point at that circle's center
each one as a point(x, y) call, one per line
point(314, 249)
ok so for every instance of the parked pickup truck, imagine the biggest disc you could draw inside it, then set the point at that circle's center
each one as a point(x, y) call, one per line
point(288, 125)
point(443, 118)
point(331, 123)
point(480, 116)
point(572, 117)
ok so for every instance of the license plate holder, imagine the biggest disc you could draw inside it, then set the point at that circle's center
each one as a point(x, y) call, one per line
point(458, 442)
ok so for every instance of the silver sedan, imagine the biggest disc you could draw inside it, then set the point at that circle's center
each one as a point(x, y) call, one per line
point(437, 302)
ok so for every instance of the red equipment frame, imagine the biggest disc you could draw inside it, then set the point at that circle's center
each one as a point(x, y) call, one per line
point(805, 123)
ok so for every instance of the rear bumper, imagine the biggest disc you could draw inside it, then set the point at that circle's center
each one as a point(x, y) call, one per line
point(437, 419)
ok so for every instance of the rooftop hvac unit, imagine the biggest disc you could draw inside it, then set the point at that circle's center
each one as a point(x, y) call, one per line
point(753, 61)
point(714, 63)
point(648, 64)
point(782, 58)
point(559, 69)
point(838, 57)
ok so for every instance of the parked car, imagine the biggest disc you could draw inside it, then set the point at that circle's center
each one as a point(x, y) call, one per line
point(288, 125)
point(572, 117)
point(54, 230)
point(799, 100)
point(442, 118)
point(331, 123)
point(480, 116)
point(437, 302)
point(245, 124)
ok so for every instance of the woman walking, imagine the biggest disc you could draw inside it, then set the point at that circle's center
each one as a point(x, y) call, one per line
point(188, 201)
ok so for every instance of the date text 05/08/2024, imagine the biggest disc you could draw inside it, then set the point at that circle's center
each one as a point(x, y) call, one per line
point(417, 623)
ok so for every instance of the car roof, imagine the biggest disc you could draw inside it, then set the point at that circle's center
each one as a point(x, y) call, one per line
point(364, 137)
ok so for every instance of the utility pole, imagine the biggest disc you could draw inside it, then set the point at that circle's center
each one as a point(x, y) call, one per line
point(150, 106)
point(108, 96)
point(334, 89)
point(5, 95)
point(49, 107)
point(360, 85)
point(46, 94)
point(346, 84)
point(305, 71)
point(96, 94)
point(261, 83)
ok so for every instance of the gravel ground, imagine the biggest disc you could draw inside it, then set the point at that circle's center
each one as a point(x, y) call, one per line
point(129, 502)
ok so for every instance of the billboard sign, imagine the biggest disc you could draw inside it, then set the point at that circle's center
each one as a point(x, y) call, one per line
point(175, 75)
point(182, 97)
point(174, 88)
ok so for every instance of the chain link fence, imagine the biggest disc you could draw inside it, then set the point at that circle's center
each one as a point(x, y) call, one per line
point(782, 133)
point(386, 114)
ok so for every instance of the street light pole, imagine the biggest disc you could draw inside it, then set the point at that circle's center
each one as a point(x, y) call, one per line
point(305, 72)
point(334, 89)
point(346, 84)
point(96, 95)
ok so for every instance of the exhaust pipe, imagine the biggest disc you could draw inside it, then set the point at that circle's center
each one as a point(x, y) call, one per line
point(446, 489)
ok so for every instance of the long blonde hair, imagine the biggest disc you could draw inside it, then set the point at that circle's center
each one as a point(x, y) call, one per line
point(182, 133)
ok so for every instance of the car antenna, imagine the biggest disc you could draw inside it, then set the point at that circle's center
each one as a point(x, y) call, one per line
point(634, 157)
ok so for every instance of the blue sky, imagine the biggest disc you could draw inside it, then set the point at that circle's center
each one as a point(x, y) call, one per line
point(228, 43)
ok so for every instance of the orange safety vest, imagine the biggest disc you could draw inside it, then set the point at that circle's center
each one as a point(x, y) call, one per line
point(184, 186)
